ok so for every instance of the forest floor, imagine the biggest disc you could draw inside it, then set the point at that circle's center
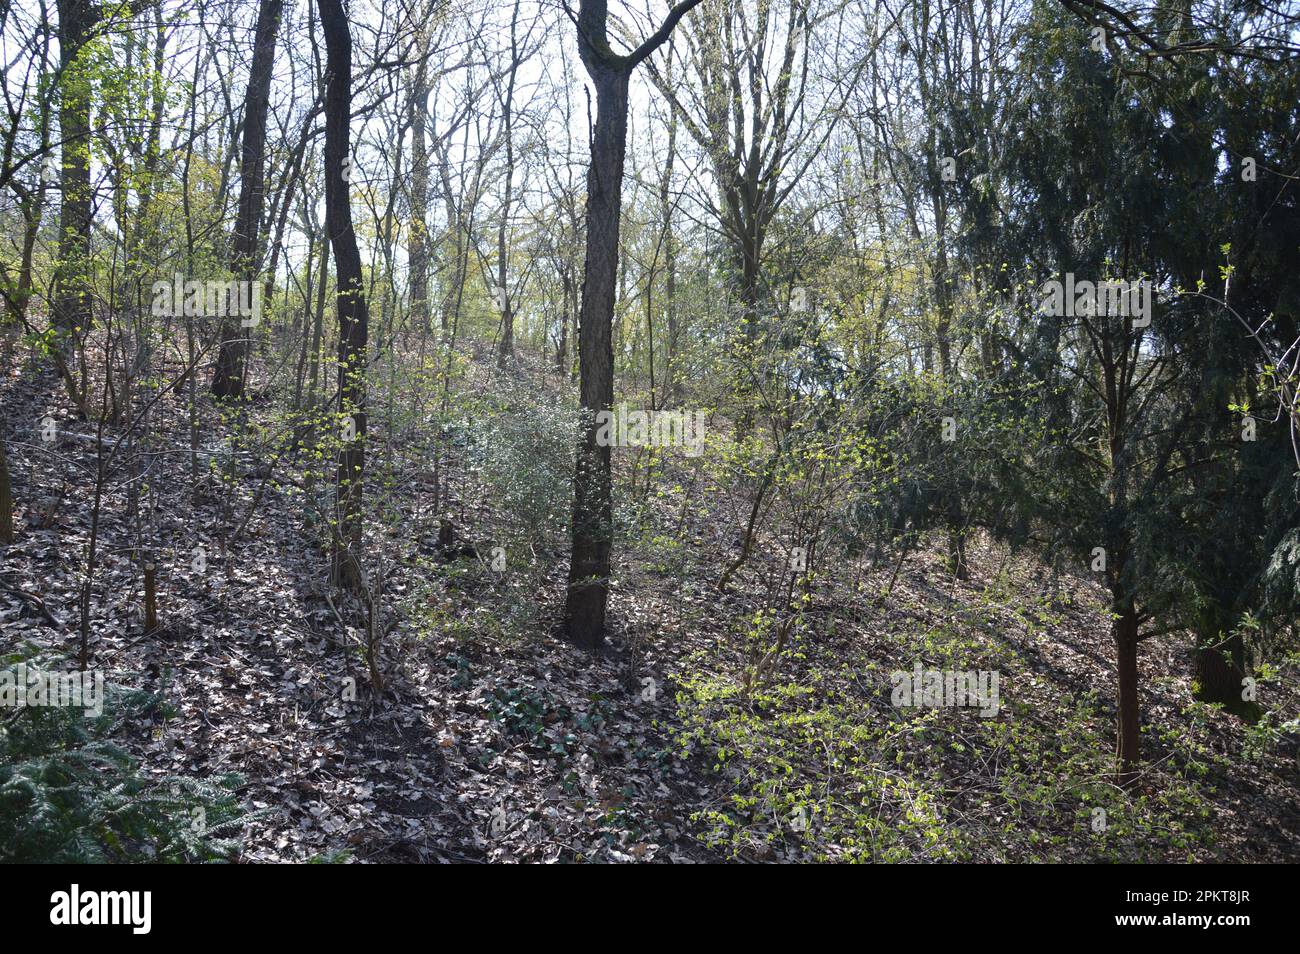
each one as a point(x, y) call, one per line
point(495, 740)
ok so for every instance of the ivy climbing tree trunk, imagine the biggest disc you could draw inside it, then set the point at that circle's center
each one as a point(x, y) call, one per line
point(419, 253)
point(72, 303)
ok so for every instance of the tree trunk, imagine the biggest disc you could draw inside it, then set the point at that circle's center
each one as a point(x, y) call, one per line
point(72, 303)
point(1221, 667)
point(1128, 732)
point(593, 512)
point(228, 376)
point(318, 327)
point(150, 594)
point(506, 352)
point(6, 500)
point(750, 344)
point(1218, 674)
point(419, 199)
point(562, 346)
point(670, 253)
point(33, 212)
point(353, 316)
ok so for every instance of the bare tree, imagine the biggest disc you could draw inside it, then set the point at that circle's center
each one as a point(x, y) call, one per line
point(353, 316)
point(228, 376)
point(593, 511)
point(419, 199)
point(747, 103)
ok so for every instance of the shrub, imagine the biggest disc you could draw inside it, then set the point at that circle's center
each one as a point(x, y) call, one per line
point(68, 794)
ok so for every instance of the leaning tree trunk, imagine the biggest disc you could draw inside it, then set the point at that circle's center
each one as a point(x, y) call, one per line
point(228, 376)
point(353, 316)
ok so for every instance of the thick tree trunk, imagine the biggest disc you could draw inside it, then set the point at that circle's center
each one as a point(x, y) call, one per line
point(593, 510)
point(750, 344)
point(1221, 667)
point(228, 376)
point(72, 302)
point(1128, 729)
point(1218, 674)
point(584, 612)
point(353, 316)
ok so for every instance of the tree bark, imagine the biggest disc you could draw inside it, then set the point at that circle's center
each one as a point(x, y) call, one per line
point(419, 198)
point(1220, 665)
point(228, 375)
point(353, 316)
point(72, 303)
point(1128, 729)
point(6, 500)
point(1219, 674)
point(506, 351)
point(593, 511)
point(670, 252)
point(566, 308)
